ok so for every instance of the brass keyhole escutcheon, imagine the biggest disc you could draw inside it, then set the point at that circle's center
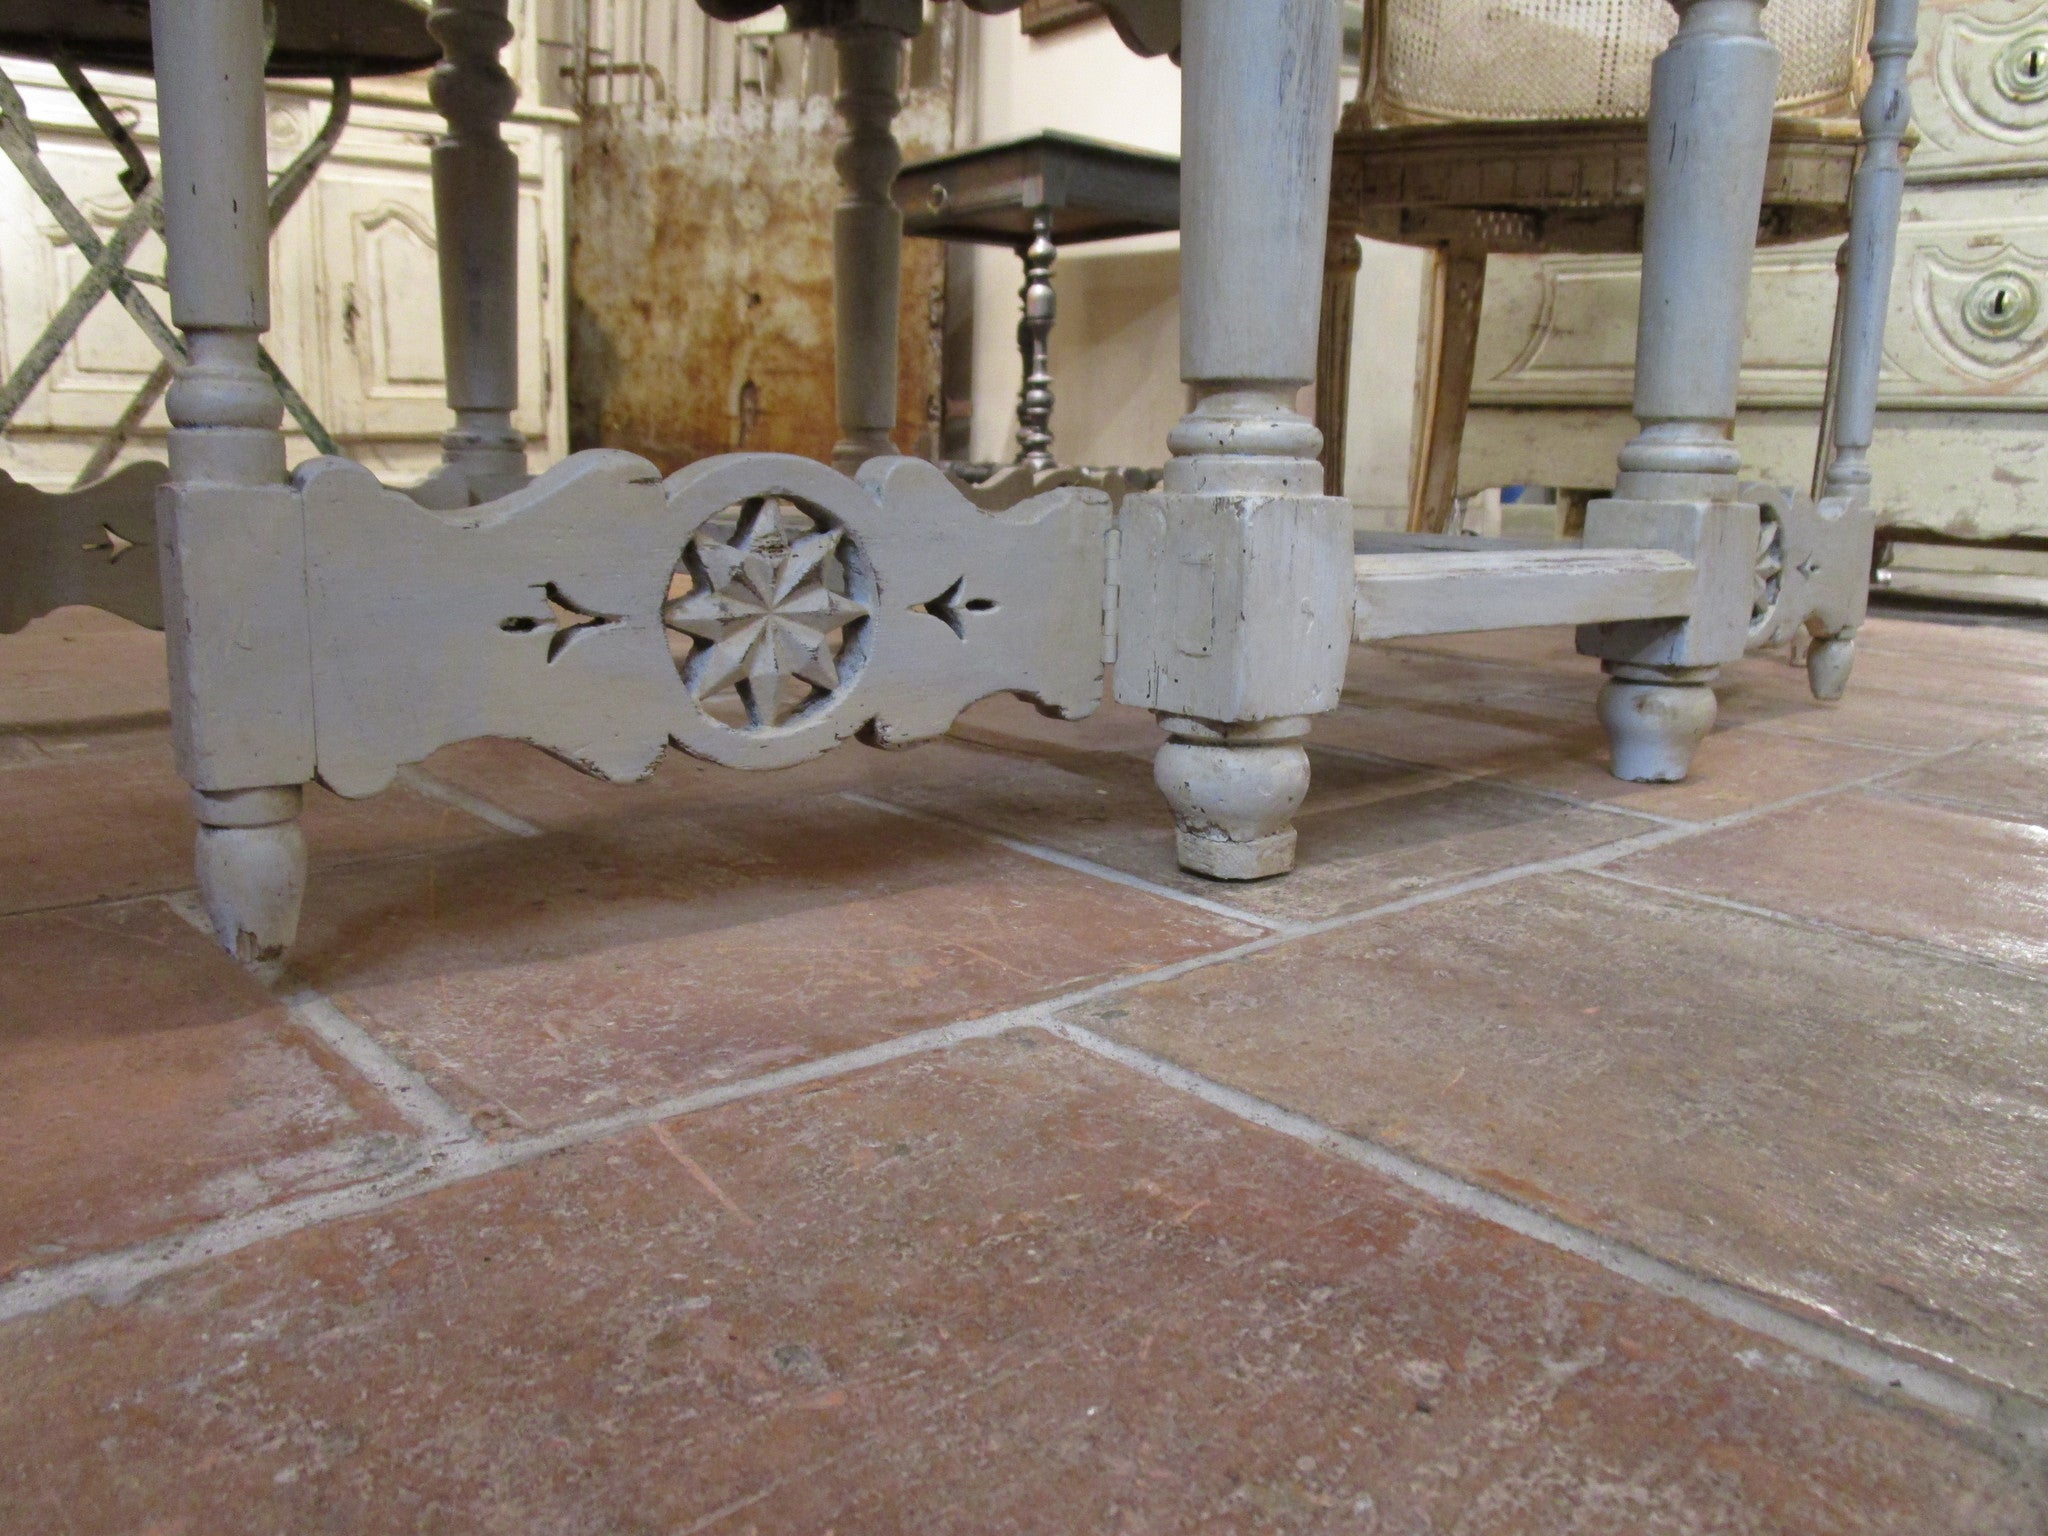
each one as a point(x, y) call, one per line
point(2000, 305)
point(2021, 73)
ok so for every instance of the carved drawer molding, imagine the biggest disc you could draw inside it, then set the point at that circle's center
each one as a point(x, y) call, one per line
point(1560, 329)
point(1977, 321)
point(1980, 88)
point(1969, 315)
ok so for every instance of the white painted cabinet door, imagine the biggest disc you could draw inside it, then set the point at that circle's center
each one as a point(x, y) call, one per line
point(93, 380)
point(377, 307)
point(355, 295)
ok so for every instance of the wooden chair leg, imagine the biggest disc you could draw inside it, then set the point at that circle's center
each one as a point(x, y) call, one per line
point(867, 240)
point(1868, 256)
point(1341, 262)
point(1711, 96)
point(1445, 387)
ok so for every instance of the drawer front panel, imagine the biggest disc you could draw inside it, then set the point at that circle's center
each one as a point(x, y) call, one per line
point(1968, 323)
point(1980, 87)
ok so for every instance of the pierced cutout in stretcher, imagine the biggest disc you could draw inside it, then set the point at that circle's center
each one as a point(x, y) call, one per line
point(948, 608)
point(566, 622)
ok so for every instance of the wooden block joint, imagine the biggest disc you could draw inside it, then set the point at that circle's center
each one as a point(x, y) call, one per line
point(239, 641)
point(1720, 538)
point(1234, 608)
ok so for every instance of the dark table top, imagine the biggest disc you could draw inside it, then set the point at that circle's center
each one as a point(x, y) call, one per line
point(315, 38)
point(1094, 190)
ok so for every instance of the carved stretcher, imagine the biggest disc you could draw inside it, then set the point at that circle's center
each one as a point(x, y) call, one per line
point(757, 610)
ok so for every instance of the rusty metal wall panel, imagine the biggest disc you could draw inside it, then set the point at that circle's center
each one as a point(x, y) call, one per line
point(701, 261)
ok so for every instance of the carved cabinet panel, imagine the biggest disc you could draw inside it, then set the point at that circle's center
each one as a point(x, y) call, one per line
point(378, 310)
point(1980, 86)
point(355, 302)
point(1968, 315)
point(1967, 307)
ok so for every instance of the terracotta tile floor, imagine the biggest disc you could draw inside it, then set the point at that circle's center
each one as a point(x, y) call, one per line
point(902, 1144)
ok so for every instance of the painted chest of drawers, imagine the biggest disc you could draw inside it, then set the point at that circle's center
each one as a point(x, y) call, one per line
point(1962, 446)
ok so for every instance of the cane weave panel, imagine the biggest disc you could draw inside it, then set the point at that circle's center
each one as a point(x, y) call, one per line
point(1545, 60)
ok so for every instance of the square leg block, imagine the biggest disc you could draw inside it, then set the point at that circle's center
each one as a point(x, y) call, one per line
point(1720, 538)
point(239, 640)
point(1234, 608)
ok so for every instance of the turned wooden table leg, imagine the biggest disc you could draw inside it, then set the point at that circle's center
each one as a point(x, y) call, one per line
point(234, 574)
point(1868, 258)
point(867, 233)
point(1034, 344)
point(476, 217)
point(1237, 583)
point(1711, 99)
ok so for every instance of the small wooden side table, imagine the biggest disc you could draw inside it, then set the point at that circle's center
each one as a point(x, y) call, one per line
point(1036, 194)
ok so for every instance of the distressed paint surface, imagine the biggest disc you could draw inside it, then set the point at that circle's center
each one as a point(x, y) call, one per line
point(701, 282)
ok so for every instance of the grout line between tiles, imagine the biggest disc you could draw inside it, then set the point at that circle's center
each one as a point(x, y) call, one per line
point(2020, 714)
point(1929, 949)
point(1771, 727)
point(175, 894)
point(2008, 1414)
point(111, 1278)
point(422, 783)
point(1678, 827)
point(1905, 766)
point(454, 1161)
point(1466, 776)
point(313, 1011)
point(1665, 831)
point(185, 905)
point(1962, 807)
point(1866, 781)
point(410, 1092)
point(1073, 862)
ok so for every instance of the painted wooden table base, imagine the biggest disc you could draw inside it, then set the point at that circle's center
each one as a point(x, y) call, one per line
point(757, 610)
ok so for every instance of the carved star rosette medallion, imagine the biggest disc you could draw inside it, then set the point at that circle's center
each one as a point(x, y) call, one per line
point(770, 612)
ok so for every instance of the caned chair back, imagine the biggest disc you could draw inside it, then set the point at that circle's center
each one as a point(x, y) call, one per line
point(1463, 61)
